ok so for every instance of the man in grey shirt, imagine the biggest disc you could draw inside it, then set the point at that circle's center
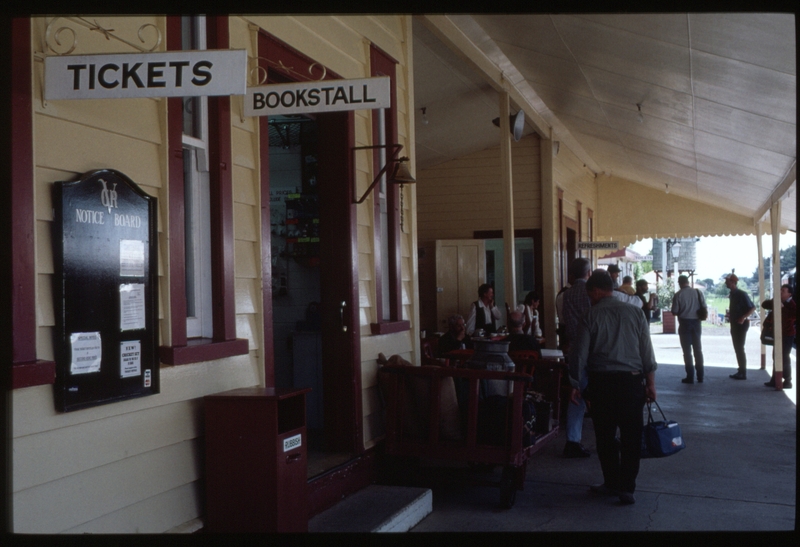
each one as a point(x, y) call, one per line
point(613, 348)
point(685, 305)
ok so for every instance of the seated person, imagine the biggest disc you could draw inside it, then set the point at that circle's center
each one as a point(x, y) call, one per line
point(519, 341)
point(627, 285)
point(455, 337)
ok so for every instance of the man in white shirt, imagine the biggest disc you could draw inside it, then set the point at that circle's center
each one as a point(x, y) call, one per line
point(483, 314)
point(685, 304)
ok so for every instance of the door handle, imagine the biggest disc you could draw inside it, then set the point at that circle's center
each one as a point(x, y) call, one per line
point(342, 306)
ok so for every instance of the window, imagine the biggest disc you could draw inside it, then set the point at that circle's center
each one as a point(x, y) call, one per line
point(201, 285)
point(197, 230)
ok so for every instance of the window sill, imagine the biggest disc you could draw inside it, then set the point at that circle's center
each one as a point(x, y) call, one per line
point(202, 349)
point(34, 373)
point(390, 327)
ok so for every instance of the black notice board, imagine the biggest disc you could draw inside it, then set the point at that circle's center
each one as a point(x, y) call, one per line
point(106, 279)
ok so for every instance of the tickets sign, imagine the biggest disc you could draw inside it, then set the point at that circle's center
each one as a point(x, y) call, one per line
point(132, 75)
point(318, 96)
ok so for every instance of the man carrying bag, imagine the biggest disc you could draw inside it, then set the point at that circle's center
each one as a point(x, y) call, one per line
point(613, 347)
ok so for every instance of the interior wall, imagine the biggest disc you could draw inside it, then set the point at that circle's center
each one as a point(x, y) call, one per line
point(459, 197)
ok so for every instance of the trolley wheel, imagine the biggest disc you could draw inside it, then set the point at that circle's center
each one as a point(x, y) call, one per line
point(508, 487)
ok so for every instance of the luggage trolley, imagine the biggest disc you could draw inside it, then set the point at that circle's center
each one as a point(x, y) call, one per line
point(418, 425)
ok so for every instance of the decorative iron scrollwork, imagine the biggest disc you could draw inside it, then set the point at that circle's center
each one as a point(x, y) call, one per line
point(56, 28)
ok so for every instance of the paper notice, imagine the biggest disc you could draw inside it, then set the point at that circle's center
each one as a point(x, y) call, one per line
point(131, 306)
point(130, 358)
point(131, 258)
point(86, 352)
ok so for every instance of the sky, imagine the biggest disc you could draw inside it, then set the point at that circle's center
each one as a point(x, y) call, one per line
point(716, 256)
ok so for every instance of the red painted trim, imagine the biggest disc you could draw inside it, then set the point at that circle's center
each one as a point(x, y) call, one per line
point(382, 64)
point(23, 274)
point(328, 489)
point(266, 254)
point(202, 349)
point(26, 370)
point(177, 256)
point(388, 327)
point(37, 373)
point(224, 343)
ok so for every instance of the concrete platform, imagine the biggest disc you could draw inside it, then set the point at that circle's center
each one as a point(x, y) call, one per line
point(376, 508)
point(738, 472)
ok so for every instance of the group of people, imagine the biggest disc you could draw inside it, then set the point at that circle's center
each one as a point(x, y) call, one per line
point(605, 336)
point(688, 302)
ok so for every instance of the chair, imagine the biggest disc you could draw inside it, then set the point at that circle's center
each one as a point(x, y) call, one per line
point(429, 348)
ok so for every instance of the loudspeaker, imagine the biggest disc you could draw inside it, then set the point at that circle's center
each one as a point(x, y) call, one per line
point(516, 123)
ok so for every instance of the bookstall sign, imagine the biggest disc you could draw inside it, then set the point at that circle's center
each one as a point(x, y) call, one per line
point(133, 75)
point(104, 238)
point(318, 96)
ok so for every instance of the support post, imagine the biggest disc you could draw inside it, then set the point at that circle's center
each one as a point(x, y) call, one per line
point(549, 241)
point(761, 293)
point(775, 221)
point(508, 201)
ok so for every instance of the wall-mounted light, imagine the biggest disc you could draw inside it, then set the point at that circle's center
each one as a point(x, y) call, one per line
point(424, 115)
point(640, 116)
point(399, 173)
point(556, 146)
point(667, 189)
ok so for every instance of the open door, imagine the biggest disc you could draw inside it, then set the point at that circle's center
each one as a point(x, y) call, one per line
point(460, 270)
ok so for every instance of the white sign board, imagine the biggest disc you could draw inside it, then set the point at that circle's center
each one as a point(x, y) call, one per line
point(598, 245)
point(131, 75)
point(318, 96)
point(87, 352)
point(130, 358)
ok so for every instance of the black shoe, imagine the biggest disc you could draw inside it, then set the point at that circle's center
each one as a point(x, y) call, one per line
point(575, 450)
point(699, 380)
point(689, 381)
point(626, 498)
point(739, 376)
point(771, 383)
point(787, 384)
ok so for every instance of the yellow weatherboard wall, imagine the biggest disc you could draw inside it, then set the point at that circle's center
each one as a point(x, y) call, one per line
point(135, 466)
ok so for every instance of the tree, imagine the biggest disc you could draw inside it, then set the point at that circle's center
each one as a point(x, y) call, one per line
point(788, 261)
point(709, 283)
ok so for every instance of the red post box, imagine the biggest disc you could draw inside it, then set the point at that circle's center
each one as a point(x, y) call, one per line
point(256, 460)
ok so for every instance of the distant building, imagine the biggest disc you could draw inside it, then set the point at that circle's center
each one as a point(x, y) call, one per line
point(687, 257)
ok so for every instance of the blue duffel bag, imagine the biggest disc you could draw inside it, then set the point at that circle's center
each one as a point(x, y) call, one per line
point(662, 438)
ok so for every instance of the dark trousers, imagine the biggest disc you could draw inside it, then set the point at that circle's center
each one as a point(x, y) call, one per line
point(617, 400)
point(787, 358)
point(739, 336)
point(689, 331)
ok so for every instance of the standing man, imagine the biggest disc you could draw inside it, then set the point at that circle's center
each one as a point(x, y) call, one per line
point(613, 348)
point(685, 305)
point(576, 303)
point(788, 332)
point(614, 271)
point(483, 314)
point(648, 302)
point(740, 308)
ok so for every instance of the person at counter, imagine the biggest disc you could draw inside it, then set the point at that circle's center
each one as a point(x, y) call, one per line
point(483, 314)
point(455, 337)
point(518, 340)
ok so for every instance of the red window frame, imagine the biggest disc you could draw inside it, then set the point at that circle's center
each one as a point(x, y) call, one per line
point(381, 64)
point(223, 342)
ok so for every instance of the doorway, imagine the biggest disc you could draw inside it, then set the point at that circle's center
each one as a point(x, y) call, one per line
point(311, 335)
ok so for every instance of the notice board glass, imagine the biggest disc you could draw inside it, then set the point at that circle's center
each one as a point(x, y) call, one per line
point(105, 237)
